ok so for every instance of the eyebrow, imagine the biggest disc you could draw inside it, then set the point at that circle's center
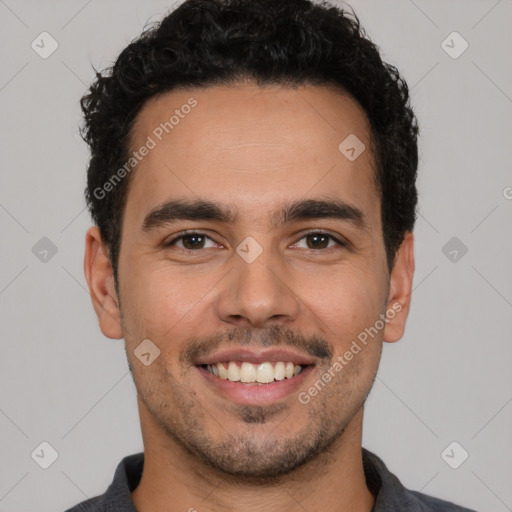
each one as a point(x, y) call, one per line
point(204, 210)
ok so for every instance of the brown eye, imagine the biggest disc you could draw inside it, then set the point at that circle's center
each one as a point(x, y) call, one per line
point(190, 241)
point(193, 241)
point(317, 241)
point(320, 241)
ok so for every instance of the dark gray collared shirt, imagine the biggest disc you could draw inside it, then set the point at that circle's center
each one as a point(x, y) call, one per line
point(390, 494)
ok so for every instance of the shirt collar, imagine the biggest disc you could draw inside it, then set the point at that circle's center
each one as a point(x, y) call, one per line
point(385, 486)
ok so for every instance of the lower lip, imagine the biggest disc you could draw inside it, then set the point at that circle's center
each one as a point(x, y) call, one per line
point(253, 393)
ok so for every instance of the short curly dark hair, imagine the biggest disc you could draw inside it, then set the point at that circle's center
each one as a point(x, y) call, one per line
point(289, 43)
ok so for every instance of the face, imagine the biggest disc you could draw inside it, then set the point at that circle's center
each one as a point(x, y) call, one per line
point(250, 240)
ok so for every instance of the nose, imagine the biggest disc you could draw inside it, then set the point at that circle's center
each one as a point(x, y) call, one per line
point(257, 294)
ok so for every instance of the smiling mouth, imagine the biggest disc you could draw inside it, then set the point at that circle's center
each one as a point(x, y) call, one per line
point(248, 373)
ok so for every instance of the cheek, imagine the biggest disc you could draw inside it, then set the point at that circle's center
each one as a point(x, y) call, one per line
point(165, 304)
point(344, 301)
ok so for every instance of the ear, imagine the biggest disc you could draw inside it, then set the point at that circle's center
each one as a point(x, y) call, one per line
point(100, 278)
point(400, 288)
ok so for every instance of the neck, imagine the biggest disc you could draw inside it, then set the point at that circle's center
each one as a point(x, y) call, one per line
point(172, 475)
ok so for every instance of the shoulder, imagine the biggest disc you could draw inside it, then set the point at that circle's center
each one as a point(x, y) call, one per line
point(390, 494)
point(427, 503)
point(90, 505)
point(117, 498)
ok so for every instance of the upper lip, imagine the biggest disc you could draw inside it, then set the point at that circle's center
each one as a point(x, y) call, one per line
point(256, 357)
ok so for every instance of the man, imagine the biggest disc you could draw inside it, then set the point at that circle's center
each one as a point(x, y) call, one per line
point(252, 184)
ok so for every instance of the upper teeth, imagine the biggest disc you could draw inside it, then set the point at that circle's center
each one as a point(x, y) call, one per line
point(247, 372)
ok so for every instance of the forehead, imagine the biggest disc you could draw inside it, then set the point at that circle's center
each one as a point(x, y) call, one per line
point(247, 145)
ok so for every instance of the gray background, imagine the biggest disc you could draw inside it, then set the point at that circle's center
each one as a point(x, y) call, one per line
point(449, 379)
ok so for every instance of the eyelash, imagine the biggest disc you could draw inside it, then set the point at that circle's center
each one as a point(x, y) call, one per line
point(192, 233)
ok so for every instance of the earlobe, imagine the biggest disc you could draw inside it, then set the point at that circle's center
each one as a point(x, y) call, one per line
point(400, 288)
point(100, 279)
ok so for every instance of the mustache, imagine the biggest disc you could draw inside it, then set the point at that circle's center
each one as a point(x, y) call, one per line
point(273, 336)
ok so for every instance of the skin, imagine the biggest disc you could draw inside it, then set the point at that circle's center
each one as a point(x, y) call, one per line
point(251, 148)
